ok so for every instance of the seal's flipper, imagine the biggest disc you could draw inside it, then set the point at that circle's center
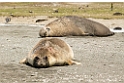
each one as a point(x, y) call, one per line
point(23, 61)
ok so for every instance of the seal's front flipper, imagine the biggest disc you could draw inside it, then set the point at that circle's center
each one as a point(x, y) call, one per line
point(76, 63)
point(23, 61)
point(73, 62)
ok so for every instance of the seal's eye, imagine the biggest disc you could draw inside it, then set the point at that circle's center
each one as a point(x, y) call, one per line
point(36, 62)
point(48, 29)
point(36, 59)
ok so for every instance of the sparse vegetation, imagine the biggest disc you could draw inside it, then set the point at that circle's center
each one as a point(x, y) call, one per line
point(91, 10)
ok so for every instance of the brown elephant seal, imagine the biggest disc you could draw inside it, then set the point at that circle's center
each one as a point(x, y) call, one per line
point(74, 26)
point(50, 52)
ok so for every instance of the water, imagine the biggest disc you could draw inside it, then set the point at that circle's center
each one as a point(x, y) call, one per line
point(117, 31)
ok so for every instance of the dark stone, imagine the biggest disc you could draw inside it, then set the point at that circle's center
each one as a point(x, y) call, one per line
point(40, 20)
point(117, 14)
point(117, 28)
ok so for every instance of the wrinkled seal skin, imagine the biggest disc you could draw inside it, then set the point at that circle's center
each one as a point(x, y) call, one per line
point(74, 26)
point(50, 52)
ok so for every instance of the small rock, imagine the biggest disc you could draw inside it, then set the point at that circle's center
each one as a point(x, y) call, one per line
point(8, 19)
point(40, 20)
point(117, 14)
point(30, 11)
point(117, 28)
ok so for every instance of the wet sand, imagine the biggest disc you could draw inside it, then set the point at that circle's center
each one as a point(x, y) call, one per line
point(102, 58)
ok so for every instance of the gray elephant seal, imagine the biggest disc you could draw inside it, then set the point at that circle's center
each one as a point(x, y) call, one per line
point(74, 26)
point(49, 52)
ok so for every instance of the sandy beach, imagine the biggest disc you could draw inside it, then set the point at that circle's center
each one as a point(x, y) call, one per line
point(102, 58)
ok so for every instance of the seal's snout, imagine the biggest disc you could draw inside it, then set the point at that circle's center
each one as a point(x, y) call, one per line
point(40, 62)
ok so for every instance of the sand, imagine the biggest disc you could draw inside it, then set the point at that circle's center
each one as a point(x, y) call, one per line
point(102, 58)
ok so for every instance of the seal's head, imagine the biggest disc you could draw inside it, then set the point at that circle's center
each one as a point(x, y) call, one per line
point(44, 31)
point(41, 61)
point(42, 57)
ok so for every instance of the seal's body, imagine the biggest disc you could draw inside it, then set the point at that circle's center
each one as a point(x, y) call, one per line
point(74, 26)
point(49, 52)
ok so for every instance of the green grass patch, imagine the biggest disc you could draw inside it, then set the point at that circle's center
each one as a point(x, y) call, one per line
point(92, 10)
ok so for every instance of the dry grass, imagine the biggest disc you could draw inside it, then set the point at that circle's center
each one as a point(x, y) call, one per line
point(91, 10)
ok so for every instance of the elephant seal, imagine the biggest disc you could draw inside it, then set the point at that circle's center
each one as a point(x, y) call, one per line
point(74, 26)
point(50, 52)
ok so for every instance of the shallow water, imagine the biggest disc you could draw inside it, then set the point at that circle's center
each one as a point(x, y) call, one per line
point(117, 31)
